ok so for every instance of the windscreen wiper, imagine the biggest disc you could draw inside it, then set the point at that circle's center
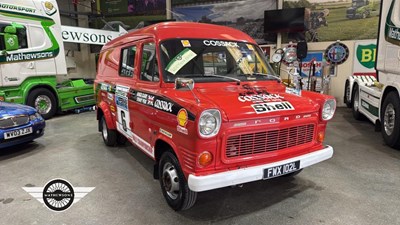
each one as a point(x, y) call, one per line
point(221, 76)
point(268, 76)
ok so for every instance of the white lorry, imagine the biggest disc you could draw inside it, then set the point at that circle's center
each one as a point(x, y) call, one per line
point(32, 57)
point(378, 99)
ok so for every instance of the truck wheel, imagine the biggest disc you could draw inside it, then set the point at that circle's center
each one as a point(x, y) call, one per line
point(44, 101)
point(109, 136)
point(356, 103)
point(347, 97)
point(173, 183)
point(390, 120)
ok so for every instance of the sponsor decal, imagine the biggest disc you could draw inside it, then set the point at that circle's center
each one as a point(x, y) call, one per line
point(29, 56)
point(112, 108)
point(337, 53)
point(392, 32)
point(366, 55)
point(182, 130)
point(272, 106)
point(17, 8)
point(221, 43)
point(260, 98)
point(163, 105)
point(110, 96)
point(11, 79)
point(185, 43)
point(166, 133)
point(121, 102)
point(182, 117)
point(58, 194)
point(293, 91)
point(49, 8)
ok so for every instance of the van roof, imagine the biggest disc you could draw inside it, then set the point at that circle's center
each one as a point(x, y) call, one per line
point(168, 30)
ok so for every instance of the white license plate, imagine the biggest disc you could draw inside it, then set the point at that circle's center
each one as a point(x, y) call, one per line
point(17, 133)
point(280, 170)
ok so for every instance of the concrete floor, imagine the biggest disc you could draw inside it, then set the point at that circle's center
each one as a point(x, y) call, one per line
point(359, 185)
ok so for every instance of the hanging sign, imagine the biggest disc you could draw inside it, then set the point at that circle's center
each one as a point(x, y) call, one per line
point(337, 53)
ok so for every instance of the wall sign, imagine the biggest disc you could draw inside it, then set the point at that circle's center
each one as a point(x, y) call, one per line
point(337, 53)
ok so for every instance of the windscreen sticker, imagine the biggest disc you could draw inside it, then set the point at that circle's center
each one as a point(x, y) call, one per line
point(185, 43)
point(180, 60)
point(250, 47)
point(220, 43)
point(272, 107)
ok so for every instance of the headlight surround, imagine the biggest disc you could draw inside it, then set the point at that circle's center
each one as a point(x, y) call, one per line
point(328, 110)
point(35, 117)
point(209, 123)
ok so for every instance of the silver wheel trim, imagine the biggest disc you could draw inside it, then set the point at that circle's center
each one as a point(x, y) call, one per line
point(47, 100)
point(355, 101)
point(170, 180)
point(104, 129)
point(389, 119)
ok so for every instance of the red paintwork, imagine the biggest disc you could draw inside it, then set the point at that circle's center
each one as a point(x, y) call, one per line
point(237, 117)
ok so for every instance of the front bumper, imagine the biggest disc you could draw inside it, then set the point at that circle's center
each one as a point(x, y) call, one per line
point(249, 174)
point(37, 131)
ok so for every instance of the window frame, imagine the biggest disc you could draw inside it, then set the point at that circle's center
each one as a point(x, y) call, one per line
point(121, 61)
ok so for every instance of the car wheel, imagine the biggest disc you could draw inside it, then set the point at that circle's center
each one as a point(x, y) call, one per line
point(173, 183)
point(109, 136)
point(121, 139)
point(44, 101)
point(347, 97)
point(356, 103)
point(390, 120)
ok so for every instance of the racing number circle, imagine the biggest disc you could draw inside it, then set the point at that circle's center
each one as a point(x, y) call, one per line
point(58, 195)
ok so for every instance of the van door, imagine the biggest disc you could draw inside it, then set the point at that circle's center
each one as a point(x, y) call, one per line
point(144, 102)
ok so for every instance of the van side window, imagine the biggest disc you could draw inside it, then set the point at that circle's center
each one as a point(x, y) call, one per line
point(20, 33)
point(127, 62)
point(149, 67)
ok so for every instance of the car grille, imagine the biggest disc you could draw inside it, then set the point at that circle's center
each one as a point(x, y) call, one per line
point(14, 121)
point(266, 141)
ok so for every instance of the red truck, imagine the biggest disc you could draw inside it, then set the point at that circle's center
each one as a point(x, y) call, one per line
point(202, 101)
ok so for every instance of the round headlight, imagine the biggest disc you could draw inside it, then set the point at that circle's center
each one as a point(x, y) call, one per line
point(329, 109)
point(209, 123)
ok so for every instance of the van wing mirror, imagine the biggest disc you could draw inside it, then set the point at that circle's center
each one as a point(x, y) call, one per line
point(184, 84)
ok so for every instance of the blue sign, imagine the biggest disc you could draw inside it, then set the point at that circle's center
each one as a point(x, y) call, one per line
point(308, 62)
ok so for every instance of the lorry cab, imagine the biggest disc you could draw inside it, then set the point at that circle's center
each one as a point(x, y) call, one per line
point(202, 101)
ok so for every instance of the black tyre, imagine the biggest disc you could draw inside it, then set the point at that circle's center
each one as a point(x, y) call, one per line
point(356, 103)
point(109, 136)
point(390, 120)
point(347, 93)
point(121, 139)
point(173, 183)
point(44, 101)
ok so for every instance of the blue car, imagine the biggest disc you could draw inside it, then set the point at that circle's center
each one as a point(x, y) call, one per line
point(19, 124)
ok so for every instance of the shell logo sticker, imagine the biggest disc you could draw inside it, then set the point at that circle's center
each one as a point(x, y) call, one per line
point(182, 117)
point(185, 43)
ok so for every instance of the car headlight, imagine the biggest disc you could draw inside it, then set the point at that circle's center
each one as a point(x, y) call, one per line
point(209, 123)
point(35, 117)
point(329, 109)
